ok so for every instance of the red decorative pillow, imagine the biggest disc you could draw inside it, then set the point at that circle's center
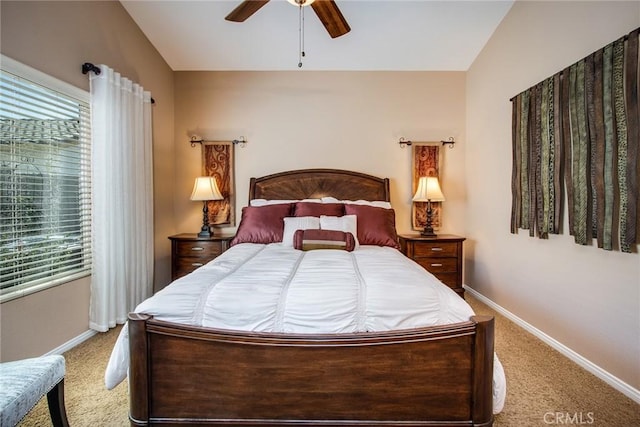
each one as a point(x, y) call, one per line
point(376, 226)
point(262, 224)
point(307, 240)
point(318, 209)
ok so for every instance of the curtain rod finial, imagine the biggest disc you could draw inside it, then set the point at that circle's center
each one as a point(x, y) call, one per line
point(451, 141)
point(403, 142)
point(88, 66)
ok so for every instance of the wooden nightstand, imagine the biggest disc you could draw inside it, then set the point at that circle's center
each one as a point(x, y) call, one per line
point(188, 251)
point(440, 255)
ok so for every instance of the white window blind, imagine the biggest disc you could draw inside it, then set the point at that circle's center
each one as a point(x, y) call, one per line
point(45, 181)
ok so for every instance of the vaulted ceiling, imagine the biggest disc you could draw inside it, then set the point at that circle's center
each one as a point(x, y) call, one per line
point(393, 35)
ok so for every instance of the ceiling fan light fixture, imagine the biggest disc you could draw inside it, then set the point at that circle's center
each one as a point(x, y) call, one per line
point(326, 10)
point(301, 2)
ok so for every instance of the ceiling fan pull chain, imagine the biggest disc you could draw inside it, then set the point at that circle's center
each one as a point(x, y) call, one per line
point(300, 35)
point(302, 30)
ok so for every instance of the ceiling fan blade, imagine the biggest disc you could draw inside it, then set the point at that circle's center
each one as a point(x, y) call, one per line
point(331, 17)
point(245, 10)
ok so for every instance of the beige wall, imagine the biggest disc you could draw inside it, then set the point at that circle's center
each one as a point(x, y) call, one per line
point(586, 298)
point(56, 38)
point(300, 119)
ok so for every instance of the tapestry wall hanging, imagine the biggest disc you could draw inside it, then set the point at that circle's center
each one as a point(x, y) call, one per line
point(426, 162)
point(218, 162)
point(579, 130)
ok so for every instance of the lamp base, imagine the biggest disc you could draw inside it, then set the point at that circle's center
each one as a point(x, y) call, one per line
point(205, 233)
point(428, 228)
point(428, 233)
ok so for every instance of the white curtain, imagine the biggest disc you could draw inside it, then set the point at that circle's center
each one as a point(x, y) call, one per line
point(122, 199)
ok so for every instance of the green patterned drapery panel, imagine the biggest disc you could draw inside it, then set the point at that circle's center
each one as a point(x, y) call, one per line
point(579, 130)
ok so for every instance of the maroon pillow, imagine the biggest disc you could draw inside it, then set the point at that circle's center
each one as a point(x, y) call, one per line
point(307, 240)
point(262, 224)
point(376, 226)
point(318, 209)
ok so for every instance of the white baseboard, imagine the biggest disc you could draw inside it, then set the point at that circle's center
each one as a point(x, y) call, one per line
point(72, 342)
point(613, 381)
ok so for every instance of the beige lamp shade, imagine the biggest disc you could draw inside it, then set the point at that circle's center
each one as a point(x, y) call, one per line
point(428, 190)
point(205, 188)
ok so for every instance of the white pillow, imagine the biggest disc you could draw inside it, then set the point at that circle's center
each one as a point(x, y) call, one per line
point(264, 202)
point(346, 223)
point(295, 223)
point(375, 203)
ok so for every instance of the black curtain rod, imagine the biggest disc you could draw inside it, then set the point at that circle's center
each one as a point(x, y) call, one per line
point(88, 66)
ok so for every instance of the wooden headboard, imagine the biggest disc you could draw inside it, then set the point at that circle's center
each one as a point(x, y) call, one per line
point(316, 183)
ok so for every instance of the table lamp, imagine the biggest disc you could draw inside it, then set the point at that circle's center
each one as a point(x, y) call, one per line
point(205, 189)
point(428, 191)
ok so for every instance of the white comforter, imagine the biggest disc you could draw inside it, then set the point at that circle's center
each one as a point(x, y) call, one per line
point(273, 288)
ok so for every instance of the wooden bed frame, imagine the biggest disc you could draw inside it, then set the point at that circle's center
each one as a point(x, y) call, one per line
point(186, 375)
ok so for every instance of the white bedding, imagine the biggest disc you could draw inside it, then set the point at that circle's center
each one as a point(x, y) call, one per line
point(273, 288)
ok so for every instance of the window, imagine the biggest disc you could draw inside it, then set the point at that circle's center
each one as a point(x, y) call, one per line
point(45, 181)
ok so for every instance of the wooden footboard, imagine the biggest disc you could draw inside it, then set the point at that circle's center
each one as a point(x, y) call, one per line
point(183, 375)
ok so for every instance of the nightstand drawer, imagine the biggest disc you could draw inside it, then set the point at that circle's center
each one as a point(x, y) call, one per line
point(440, 255)
point(187, 265)
point(199, 249)
point(435, 249)
point(188, 251)
point(439, 265)
point(449, 279)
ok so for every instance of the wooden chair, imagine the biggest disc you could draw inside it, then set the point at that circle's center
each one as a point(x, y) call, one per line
point(24, 382)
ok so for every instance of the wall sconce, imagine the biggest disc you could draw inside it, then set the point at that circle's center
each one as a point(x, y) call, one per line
point(205, 189)
point(428, 191)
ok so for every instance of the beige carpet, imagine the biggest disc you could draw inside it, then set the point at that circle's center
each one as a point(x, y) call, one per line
point(87, 400)
point(543, 387)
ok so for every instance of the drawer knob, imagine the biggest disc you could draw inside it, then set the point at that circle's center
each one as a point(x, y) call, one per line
point(197, 248)
point(197, 264)
point(436, 265)
point(436, 249)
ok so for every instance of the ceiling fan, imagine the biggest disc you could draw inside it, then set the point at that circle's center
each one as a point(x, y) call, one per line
point(326, 10)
